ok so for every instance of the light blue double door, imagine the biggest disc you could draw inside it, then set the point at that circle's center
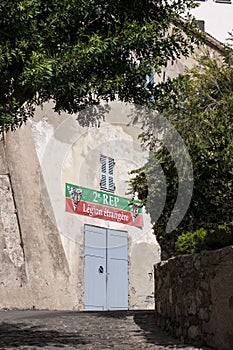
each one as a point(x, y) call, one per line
point(106, 269)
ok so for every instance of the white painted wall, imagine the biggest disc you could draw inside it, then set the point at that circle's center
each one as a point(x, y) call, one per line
point(69, 153)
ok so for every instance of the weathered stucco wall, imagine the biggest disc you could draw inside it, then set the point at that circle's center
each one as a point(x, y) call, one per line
point(12, 256)
point(33, 272)
point(70, 153)
point(194, 297)
point(41, 245)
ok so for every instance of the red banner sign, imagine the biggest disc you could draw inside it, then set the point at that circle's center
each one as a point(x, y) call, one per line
point(101, 205)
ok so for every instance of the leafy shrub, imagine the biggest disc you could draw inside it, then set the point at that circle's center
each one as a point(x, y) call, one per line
point(190, 242)
point(205, 239)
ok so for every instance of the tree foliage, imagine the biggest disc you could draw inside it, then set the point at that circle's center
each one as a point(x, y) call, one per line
point(78, 52)
point(204, 239)
point(200, 106)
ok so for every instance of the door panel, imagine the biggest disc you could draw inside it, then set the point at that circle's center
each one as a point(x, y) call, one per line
point(106, 269)
point(95, 241)
point(117, 266)
point(95, 268)
point(95, 283)
point(118, 244)
point(117, 288)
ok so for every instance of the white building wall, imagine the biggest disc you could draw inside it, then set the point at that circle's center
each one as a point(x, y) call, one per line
point(69, 153)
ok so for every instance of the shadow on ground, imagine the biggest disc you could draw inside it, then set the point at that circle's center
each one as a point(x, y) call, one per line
point(16, 335)
point(146, 321)
point(121, 315)
point(127, 329)
point(152, 333)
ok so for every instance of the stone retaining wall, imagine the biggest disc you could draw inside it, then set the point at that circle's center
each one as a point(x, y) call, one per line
point(194, 297)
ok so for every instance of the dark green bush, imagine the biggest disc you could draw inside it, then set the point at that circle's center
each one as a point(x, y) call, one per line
point(205, 239)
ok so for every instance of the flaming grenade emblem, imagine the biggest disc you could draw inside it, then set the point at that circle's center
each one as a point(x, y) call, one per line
point(75, 195)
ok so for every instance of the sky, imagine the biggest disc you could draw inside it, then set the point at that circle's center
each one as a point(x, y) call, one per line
point(218, 18)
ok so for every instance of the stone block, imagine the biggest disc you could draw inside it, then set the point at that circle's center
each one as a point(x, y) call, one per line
point(193, 308)
point(203, 314)
point(193, 332)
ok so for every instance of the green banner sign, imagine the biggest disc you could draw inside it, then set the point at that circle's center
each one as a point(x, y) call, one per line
point(103, 205)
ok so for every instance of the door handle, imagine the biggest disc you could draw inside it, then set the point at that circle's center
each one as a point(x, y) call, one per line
point(101, 269)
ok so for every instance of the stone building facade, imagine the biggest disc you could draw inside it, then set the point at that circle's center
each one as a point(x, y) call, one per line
point(54, 256)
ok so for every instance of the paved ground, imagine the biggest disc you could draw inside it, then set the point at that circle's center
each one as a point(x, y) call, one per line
point(84, 330)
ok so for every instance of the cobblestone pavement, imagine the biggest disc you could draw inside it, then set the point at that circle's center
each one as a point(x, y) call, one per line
point(119, 330)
